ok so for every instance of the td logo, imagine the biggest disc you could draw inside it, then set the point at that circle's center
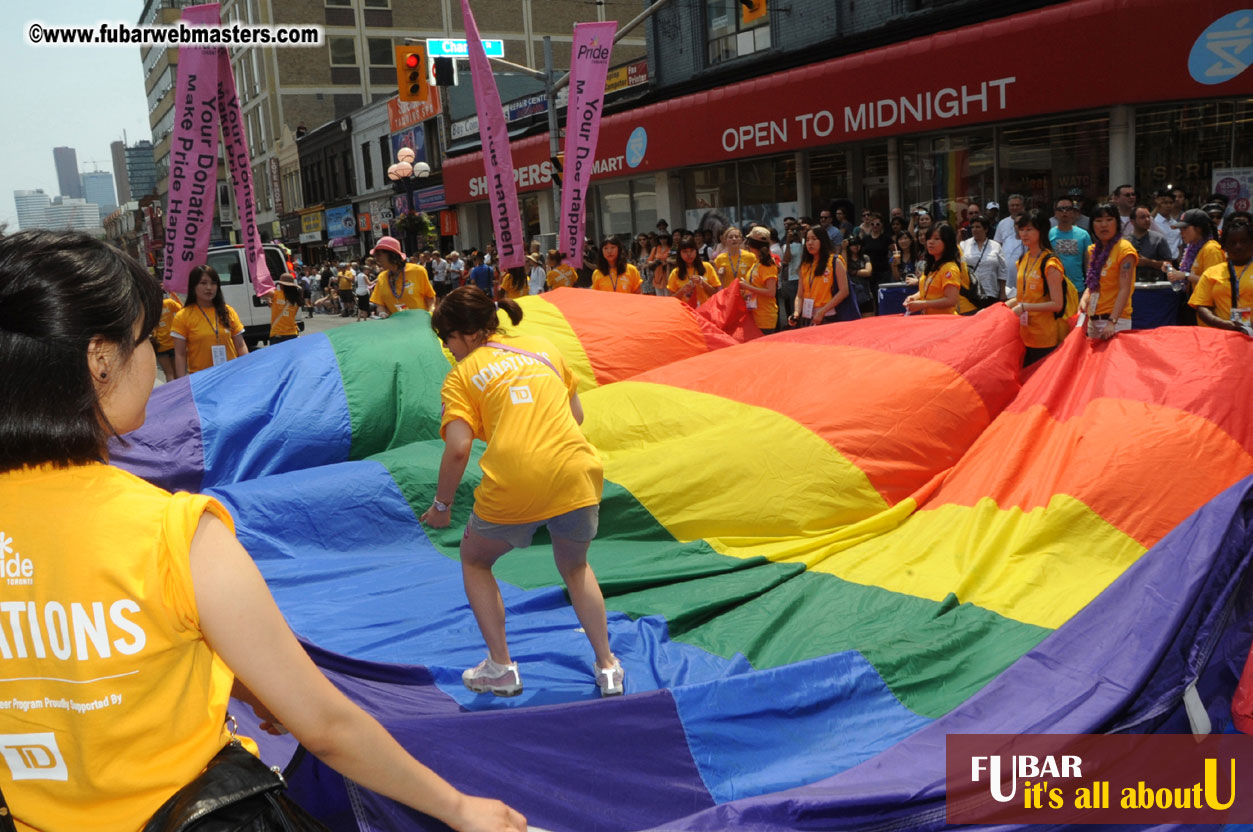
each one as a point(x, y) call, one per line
point(33, 757)
point(637, 146)
point(1224, 49)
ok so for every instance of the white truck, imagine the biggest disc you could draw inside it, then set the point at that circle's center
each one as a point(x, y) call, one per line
point(231, 265)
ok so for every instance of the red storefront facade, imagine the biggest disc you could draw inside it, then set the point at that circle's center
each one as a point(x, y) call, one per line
point(1078, 58)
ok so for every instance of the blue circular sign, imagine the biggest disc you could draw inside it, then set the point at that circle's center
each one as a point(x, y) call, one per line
point(1224, 49)
point(637, 145)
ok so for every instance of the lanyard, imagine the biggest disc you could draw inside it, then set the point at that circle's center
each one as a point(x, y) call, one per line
point(1026, 271)
point(390, 285)
point(212, 326)
point(1235, 282)
point(809, 284)
point(613, 277)
point(735, 270)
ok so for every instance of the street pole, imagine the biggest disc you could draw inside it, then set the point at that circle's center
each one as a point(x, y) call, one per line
point(550, 92)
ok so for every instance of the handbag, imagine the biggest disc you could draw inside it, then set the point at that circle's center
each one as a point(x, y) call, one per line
point(235, 793)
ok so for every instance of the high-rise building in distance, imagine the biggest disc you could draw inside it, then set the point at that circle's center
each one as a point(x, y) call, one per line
point(141, 170)
point(117, 152)
point(98, 189)
point(32, 209)
point(67, 172)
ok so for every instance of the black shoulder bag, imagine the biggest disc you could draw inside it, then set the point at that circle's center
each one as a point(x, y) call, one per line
point(974, 292)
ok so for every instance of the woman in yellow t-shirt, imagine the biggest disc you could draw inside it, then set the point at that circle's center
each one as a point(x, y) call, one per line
point(763, 279)
point(285, 302)
point(560, 275)
point(823, 294)
point(1041, 293)
point(734, 263)
point(402, 285)
point(1201, 250)
point(1212, 298)
point(939, 288)
point(190, 619)
point(1111, 276)
point(206, 331)
point(613, 272)
point(693, 280)
point(517, 394)
point(162, 340)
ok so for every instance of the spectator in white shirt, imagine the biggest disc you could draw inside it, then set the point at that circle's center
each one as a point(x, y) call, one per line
point(984, 259)
point(1164, 219)
point(1007, 231)
point(1124, 200)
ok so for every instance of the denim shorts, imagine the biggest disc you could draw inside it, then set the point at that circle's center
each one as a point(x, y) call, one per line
point(580, 525)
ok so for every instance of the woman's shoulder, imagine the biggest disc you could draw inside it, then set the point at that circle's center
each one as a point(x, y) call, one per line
point(1125, 247)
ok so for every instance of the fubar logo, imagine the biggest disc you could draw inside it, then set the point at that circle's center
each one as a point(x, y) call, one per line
point(33, 756)
point(17, 570)
point(1224, 50)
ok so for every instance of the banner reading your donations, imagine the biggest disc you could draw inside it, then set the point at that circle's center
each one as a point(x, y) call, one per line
point(497, 158)
point(204, 100)
point(589, 64)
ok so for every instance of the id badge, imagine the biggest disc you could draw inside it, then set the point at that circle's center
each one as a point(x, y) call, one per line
point(219, 354)
point(1093, 299)
point(400, 307)
point(751, 303)
point(1024, 318)
point(807, 309)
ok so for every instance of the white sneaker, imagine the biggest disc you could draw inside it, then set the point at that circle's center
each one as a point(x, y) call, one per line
point(489, 677)
point(609, 679)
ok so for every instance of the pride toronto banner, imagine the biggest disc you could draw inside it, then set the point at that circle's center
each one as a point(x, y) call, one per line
point(589, 64)
point(205, 100)
point(497, 158)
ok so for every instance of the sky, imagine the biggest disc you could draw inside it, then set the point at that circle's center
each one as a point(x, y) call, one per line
point(82, 97)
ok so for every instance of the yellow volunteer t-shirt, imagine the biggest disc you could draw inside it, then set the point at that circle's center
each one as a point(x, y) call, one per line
point(169, 308)
point(1041, 328)
point(700, 294)
point(627, 282)
point(345, 281)
point(109, 682)
point(537, 464)
point(820, 287)
point(202, 330)
point(562, 276)
point(963, 305)
point(1109, 278)
point(738, 267)
point(765, 308)
point(1214, 290)
point(1210, 255)
point(282, 315)
point(416, 293)
point(515, 289)
point(933, 284)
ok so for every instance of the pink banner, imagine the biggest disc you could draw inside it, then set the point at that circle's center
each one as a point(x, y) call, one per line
point(497, 159)
point(205, 100)
point(240, 166)
point(193, 156)
point(589, 64)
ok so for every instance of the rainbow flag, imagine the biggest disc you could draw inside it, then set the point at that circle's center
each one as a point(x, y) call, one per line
point(821, 551)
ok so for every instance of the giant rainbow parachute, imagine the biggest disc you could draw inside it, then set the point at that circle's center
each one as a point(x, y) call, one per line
point(822, 551)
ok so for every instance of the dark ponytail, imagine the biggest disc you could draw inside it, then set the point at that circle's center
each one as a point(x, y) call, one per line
point(468, 310)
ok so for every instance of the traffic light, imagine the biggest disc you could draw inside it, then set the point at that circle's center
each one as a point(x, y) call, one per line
point(558, 163)
point(411, 72)
point(752, 10)
point(445, 75)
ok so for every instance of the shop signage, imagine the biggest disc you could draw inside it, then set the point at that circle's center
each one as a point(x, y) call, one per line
point(882, 93)
point(311, 222)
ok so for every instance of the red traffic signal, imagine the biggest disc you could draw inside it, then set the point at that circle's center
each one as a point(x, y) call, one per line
point(412, 72)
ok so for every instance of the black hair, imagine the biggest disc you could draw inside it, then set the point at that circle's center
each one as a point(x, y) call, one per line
point(698, 264)
point(219, 302)
point(950, 254)
point(1037, 220)
point(824, 250)
point(984, 221)
point(1237, 221)
point(292, 293)
point(58, 291)
point(620, 265)
point(467, 310)
point(1107, 209)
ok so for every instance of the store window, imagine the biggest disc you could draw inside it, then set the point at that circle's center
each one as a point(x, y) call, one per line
point(530, 216)
point(943, 174)
point(753, 192)
point(1041, 160)
point(828, 179)
point(343, 51)
point(1181, 144)
point(729, 35)
point(624, 208)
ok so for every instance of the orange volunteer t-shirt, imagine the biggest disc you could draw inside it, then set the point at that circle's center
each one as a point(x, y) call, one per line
point(933, 284)
point(700, 294)
point(203, 331)
point(627, 281)
point(169, 308)
point(282, 315)
point(1123, 249)
point(1041, 328)
point(819, 288)
point(109, 680)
